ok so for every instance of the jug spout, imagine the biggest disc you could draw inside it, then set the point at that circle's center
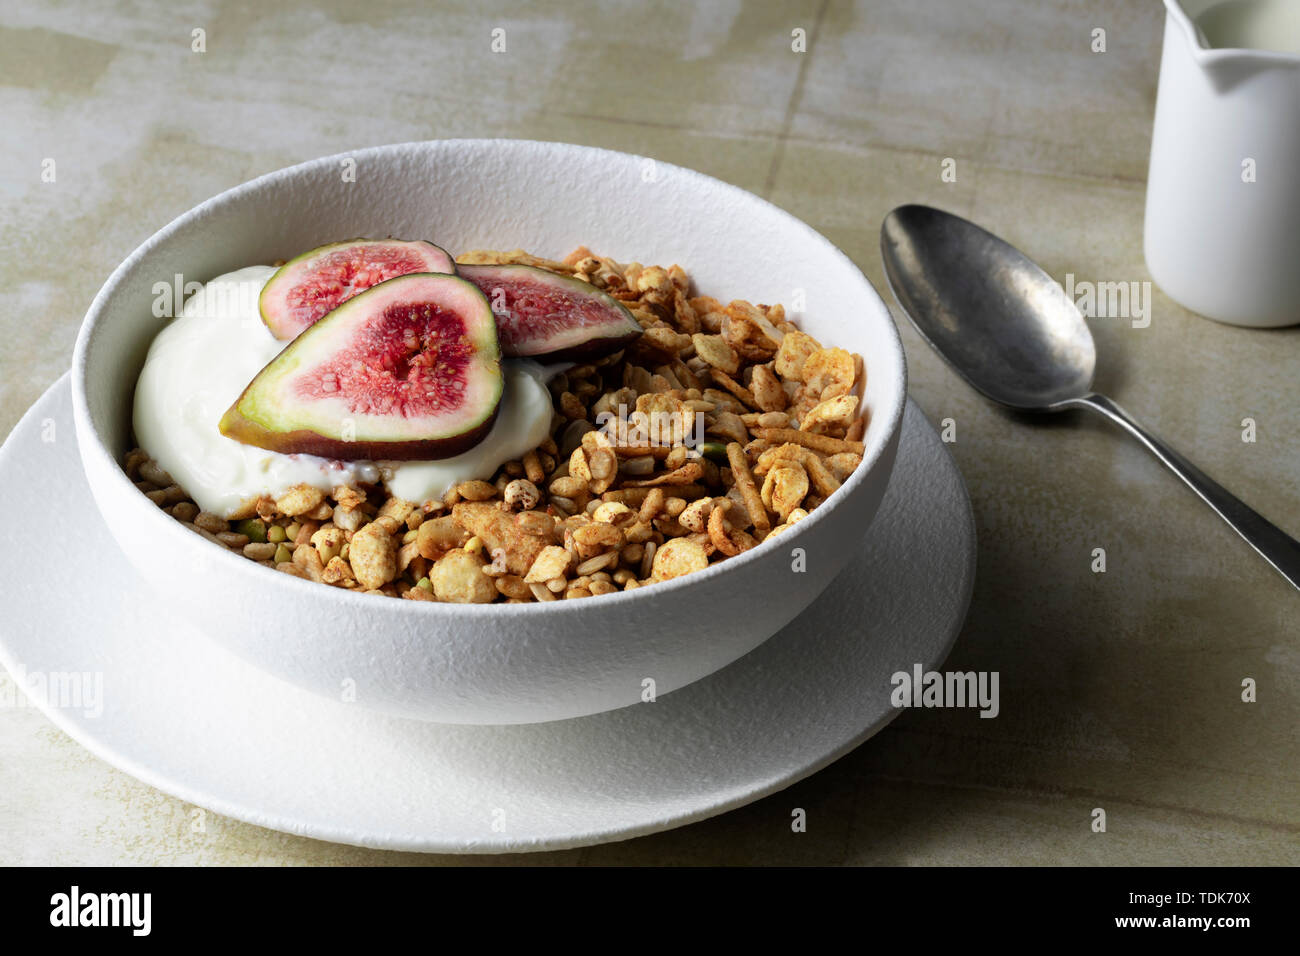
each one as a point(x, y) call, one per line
point(1183, 14)
point(1224, 66)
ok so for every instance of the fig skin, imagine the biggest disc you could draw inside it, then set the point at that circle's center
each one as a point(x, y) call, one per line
point(616, 330)
point(275, 311)
point(271, 413)
point(588, 350)
point(305, 442)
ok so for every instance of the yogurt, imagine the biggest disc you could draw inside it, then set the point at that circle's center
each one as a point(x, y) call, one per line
point(200, 363)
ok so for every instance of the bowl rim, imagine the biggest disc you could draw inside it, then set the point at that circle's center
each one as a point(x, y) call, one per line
point(886, 419)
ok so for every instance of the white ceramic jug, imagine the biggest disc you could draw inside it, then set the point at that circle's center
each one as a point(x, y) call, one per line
point(1223, 193)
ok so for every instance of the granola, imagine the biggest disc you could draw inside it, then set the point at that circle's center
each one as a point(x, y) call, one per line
point(622, 494)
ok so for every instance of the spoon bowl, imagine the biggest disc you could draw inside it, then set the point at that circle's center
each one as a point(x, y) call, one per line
point(1000, 321)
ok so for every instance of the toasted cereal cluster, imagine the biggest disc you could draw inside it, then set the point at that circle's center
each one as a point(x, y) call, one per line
point(592, 510)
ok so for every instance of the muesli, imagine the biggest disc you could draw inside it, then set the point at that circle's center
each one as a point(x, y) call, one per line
point(676, 441)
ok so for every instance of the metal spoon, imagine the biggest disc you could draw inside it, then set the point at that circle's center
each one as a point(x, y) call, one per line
point(1009, 329)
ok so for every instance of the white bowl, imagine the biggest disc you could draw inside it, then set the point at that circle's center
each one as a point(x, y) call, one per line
point(500, 663)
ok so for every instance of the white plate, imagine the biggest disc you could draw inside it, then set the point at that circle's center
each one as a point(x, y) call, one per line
point(186, 716)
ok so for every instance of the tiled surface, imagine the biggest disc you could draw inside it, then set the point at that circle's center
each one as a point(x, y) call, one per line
point(1119, 690)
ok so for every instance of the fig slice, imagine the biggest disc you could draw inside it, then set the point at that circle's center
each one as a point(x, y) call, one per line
point(543, 315)
point(309, 286)
point(408, 369)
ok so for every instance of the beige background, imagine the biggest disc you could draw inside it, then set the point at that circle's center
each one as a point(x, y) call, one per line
point(1119, 690)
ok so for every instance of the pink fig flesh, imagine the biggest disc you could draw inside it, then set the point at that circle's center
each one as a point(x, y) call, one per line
point(551, 317)
point(308, 287)
point(406, 370)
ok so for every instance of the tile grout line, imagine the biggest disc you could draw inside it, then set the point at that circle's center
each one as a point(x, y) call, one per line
point(792, 107)
point(1033, 791)
point(844, 145)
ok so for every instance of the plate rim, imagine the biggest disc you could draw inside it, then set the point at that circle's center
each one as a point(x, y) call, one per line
point(753, 789)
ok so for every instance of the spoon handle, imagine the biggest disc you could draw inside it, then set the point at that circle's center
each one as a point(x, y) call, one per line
point(1278, 548)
